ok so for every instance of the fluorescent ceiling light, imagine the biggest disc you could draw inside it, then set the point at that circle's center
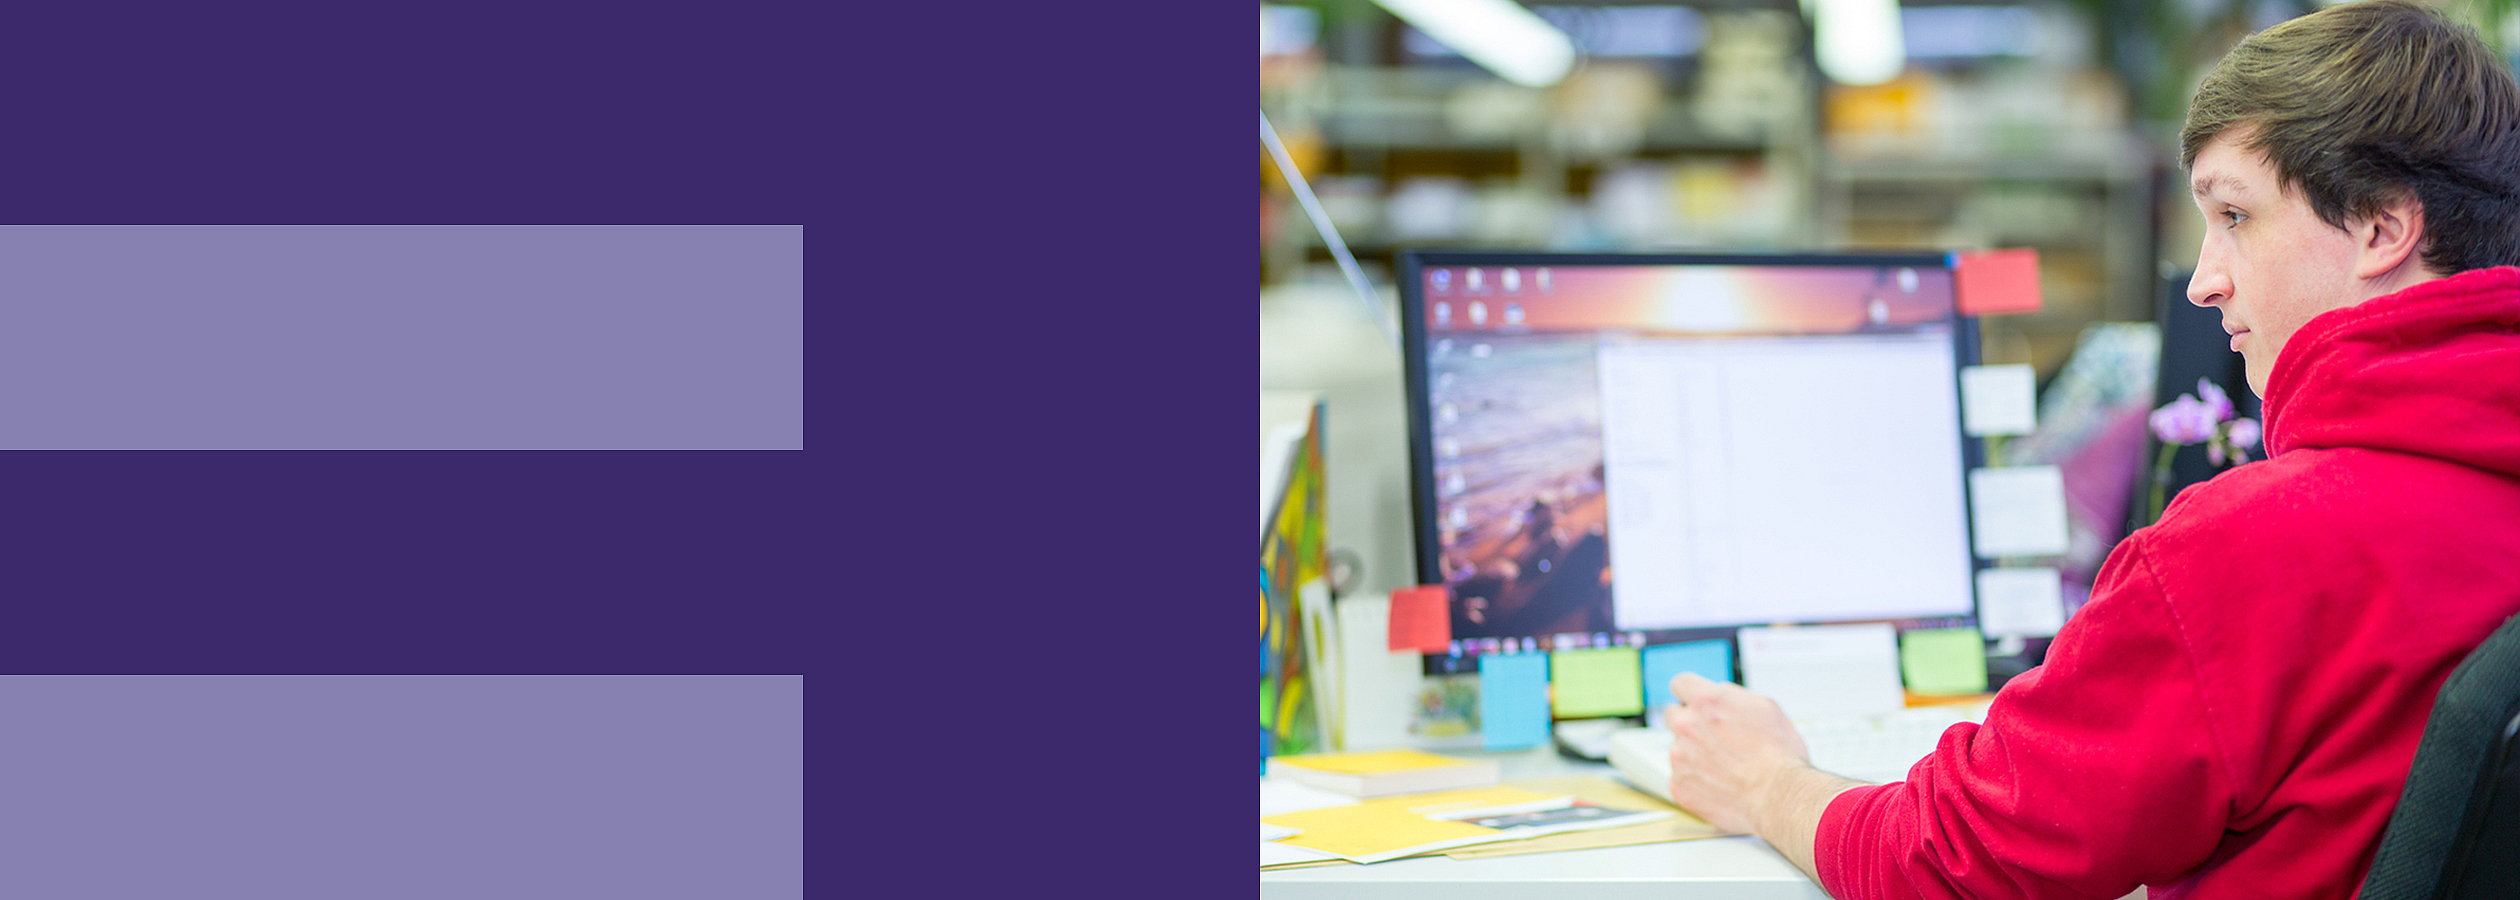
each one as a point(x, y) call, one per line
point(1599, 31)
point(1287, 29)
point(1858, 41)
point(1499, 35)
point(1935, 32)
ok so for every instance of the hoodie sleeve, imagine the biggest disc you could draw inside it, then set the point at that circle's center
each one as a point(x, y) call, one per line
point(2094, 773)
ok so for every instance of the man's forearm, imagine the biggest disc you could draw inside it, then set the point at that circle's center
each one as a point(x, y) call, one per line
point(1787, 816)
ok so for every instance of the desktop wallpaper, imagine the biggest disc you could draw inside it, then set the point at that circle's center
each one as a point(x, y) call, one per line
point(1518, 484)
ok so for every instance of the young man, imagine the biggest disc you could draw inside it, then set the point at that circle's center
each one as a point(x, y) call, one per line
point(2234, 713)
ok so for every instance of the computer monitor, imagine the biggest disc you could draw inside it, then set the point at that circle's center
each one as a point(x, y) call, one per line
point(1641, 449)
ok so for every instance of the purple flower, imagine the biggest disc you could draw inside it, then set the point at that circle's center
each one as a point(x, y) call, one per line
point(2242, 433)
point(2214, 398)
point(2235, 440)
point(2186, 420)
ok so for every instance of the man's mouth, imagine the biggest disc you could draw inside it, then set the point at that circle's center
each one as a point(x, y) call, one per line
point(2236, 334)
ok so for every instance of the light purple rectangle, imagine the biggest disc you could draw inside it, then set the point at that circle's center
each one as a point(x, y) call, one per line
point(393, 787)
point(402, 337)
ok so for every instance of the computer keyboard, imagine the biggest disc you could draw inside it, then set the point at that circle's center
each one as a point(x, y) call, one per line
point(1866, 748)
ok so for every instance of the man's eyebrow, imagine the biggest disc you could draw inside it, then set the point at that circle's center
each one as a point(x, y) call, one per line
point(2206, 185)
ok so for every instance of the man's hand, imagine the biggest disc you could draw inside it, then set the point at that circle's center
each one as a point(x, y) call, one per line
point(1728, 746)
point(1737, 762)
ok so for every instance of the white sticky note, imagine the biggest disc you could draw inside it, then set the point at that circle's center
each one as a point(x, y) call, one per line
point(1379, 689)
point(2017, 511)
point(1998, 400)
point(2020, 602)
point(1270, 832)
point(1824, 670)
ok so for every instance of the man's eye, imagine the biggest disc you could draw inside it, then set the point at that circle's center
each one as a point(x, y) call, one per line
point(2232, 217)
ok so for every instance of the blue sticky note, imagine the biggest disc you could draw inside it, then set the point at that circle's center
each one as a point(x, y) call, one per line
point(1513, 700)
point(1712, 659)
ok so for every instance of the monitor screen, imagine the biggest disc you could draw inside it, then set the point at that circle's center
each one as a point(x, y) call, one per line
point(1622, 449)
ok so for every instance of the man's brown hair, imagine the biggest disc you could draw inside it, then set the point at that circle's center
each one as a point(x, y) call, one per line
point(2360, 104)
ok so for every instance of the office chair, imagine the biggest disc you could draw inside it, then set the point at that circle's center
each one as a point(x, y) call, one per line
point(2456, 831)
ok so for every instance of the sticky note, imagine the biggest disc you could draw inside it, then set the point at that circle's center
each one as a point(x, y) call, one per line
point(1943, 661)
point(2017, 511)
point(1996, 281)
point(1998, 400)
point(1513, 700)
point(1712, 659)
point(1825, 670)
point(1421, 619)
point(1593, 683)
point(2020, 602)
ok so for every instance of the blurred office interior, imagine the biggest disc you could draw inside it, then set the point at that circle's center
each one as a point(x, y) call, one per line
point(1719, 125)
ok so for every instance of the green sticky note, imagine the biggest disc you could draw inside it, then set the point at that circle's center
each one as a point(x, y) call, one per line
point(1943, 661)
point(1586, 684)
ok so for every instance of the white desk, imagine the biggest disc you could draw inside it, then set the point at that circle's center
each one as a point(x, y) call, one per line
point(1742, 868)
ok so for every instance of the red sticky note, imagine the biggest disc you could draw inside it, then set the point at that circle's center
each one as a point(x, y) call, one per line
point(1996, 281)
point(1421, 619)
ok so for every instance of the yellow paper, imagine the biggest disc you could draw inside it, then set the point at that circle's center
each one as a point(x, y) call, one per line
point(1603, 682)
point(1944, 661)
point(1377, 829)
point(1369, 763)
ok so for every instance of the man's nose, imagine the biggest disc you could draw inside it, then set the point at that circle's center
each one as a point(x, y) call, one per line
point(2210, 285)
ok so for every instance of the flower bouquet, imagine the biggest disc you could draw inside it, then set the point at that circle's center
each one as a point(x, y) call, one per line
point(2204, 417)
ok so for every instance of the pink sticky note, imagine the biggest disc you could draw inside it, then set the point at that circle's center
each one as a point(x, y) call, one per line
point(1421, 619)
point(1990, 282)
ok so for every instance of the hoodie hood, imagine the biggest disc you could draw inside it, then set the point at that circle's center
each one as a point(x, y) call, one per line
point(2431, 370)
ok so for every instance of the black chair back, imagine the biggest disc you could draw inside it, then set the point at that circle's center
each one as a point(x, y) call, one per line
point(2456, 832)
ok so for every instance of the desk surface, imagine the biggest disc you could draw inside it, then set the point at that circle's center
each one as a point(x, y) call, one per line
point(1742, 868)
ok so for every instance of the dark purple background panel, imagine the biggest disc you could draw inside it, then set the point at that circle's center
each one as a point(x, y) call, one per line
point(1060, 482)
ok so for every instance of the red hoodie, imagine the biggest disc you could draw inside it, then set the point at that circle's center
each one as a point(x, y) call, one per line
point(2235, 711)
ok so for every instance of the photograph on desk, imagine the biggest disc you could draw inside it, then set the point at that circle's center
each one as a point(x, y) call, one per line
point(1552, 816)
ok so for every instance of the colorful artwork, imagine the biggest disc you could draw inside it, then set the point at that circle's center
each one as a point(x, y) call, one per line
point(1293, 553)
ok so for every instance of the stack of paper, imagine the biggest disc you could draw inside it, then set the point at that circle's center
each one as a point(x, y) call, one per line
point(1282, 848)
point(1392, 828)
point(1279, 796)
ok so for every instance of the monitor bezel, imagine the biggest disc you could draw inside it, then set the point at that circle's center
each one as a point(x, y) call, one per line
point(1411, 266)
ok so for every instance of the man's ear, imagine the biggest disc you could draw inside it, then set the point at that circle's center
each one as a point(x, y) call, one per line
point(2390, 238)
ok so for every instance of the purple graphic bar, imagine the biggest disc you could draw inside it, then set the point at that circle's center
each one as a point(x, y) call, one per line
point(402, 337)
point(392, 787)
